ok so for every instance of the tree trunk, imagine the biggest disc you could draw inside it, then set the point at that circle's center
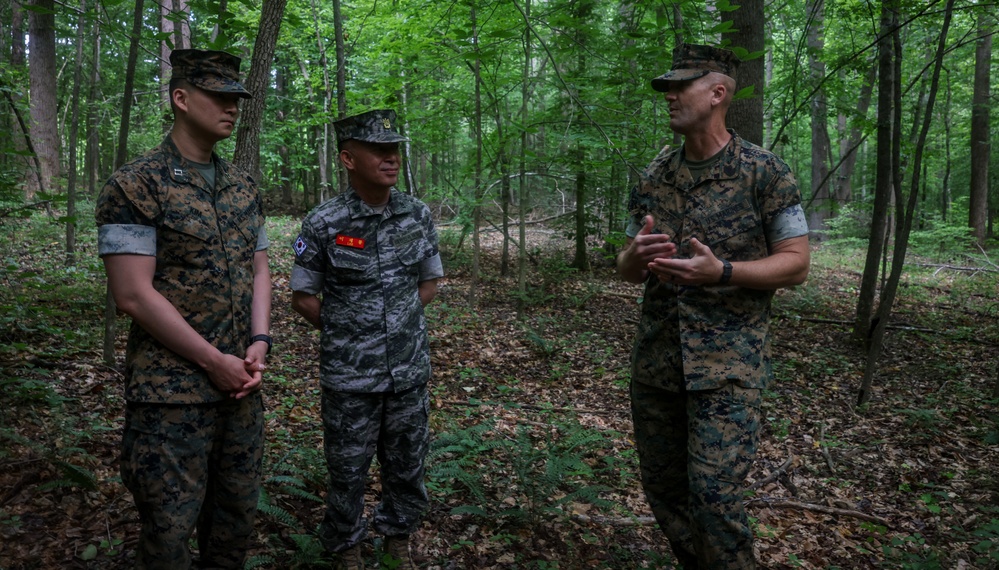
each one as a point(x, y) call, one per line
point(580, 260)
point(978, 209)
point(223, 7)
point(247, 155)
point(842, 185)
point(93, 151)
point(745, 116)
point(341, 79)
point(281, 83)
point(20, 137)
point(43, 104)
point(904, 221)
point(820, 209)
point(885, 173)
point(74, 128)
point(323, 149)
point(525, 90)
point(477, 181)
point(173, 23)
point(110, 309)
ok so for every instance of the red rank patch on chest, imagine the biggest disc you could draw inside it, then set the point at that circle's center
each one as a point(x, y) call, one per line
point(347, 241)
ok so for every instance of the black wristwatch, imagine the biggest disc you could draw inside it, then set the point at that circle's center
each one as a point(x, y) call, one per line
point(264, 338)
point(726, 275)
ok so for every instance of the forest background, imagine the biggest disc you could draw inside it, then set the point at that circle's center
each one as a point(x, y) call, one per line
point(528, 123)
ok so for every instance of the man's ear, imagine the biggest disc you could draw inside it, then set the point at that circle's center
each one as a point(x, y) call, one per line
point(347, 159)
point(179, 97)
point(718, 93)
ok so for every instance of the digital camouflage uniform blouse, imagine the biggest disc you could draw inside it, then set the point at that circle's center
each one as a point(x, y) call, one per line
point(703, 337)
point(204, 241)
point(367, 265)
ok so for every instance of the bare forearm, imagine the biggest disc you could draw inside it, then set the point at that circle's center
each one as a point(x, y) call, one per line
point(134, 294)
point(309, 306)
point(786, 266)
point(427, 291)
point(260, 319)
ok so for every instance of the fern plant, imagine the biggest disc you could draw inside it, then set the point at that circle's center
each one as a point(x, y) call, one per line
point(551, 473)
point(546, 474)
point(455, 461)
point(294, 480)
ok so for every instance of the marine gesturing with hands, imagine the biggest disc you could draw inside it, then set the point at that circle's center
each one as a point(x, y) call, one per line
point(656, 253)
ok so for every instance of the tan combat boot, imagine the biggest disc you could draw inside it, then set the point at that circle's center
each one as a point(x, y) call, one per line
point(349, 559)
point(398, 548)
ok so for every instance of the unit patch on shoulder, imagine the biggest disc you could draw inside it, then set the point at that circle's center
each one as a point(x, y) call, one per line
point(300, 246)
point(356, 243)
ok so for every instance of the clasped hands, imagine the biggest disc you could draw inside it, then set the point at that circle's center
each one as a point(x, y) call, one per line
point(239, 377)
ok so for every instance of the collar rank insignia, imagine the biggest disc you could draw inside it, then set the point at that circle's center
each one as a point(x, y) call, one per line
point(178, 172)
point(347, 241)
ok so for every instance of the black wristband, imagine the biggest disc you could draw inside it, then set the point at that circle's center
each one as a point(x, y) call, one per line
point(264, 338)
point(726, 275)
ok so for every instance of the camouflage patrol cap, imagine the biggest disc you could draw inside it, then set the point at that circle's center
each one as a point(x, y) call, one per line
point(378, 126)
point(691, 61)
point(216, 71)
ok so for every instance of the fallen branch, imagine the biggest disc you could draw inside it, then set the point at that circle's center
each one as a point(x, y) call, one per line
point(774, 474)
point(635, 520)
point(614, 521)
point(781, 503)
point(944, 266)
point(825, 449)
point(850, 324)
point(630, 296)
point(534, 408)
point(47, 204)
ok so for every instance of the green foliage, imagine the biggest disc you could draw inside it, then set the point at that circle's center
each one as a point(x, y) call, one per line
point(911, 552)
point(926, 421)
point(536, 477)
point(987, 548)
point(61, 451)
point(941, 241)
point(541, 345)
point(852, 224)
point(454, 460)
point(454, 255)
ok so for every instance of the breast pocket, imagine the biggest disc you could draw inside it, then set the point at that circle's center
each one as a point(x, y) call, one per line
point(736, 233)
point(411, 247)
point(350, 265)
point(186, 238)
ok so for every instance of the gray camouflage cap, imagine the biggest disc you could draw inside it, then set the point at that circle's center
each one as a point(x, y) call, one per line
point(691, 61)
point(378, 126)
point(216, 71)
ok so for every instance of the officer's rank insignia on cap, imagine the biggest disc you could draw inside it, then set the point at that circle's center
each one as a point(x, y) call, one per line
point(300, 246)
point(348, 241)
point(386, 123)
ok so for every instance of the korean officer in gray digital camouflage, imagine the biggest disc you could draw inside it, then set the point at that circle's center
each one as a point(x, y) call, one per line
point(366, 263)
point(181, 233)
point(716, 227)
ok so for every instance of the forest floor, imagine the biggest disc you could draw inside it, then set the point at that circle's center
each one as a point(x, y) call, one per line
point(533, 465)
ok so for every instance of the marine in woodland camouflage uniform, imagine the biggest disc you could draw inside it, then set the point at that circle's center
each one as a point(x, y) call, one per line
point(369, 253)
point(701, 354)
point(192, 449)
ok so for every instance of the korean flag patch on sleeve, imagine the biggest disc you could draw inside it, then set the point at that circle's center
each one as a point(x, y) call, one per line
point(300, 246)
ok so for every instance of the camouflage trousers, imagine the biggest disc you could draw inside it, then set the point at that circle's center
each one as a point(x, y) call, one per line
point(355, 428)
point(695, 449)
point(194, 466)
